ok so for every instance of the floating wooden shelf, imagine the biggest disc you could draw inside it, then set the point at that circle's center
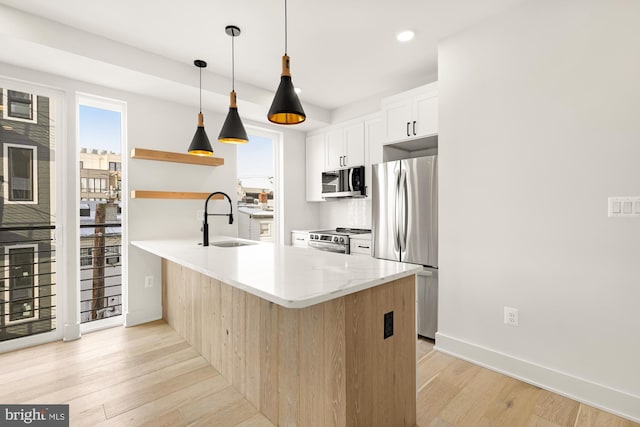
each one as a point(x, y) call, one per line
point(149, 194)
point(168, 156)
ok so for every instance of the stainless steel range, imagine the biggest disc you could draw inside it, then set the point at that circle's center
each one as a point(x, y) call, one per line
point(334, 240)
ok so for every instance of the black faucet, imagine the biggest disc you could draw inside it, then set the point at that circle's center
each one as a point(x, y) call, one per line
point(205, 223)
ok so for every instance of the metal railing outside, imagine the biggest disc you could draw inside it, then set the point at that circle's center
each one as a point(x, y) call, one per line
point(27, 284)
point(100, 271)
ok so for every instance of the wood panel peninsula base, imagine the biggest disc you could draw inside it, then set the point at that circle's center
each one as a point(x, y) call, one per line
point(324, 365)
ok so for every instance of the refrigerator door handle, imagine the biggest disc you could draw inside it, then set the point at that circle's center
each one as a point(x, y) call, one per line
point(403, 210)
point(396, 219)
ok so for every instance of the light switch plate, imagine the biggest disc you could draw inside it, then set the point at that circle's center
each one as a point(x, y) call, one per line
point(624, 207)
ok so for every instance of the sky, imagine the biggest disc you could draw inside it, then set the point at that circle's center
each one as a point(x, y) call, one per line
point(100, 129)
point(255, 162)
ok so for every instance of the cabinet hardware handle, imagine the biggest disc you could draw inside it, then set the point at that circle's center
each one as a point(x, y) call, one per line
point(408, 134)
point(363, 247)
point(345, 161)
point(414, 127)
point(298, 238)
point(341, 161)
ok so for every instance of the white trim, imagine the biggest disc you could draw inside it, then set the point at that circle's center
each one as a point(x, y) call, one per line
point(5, 109)
point(34, 173)
point(593, 394)
point(98, 325)
point(36, 283)
point(277, 139)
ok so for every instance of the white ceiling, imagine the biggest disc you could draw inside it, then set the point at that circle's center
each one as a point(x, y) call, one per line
point(342, 51)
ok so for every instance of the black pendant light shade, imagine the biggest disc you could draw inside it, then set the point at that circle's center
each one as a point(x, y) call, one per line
point(286, 108)
point(200, 145)
point(232, 131)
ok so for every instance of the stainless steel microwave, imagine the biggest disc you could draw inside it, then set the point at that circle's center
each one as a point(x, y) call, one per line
point(344, 183)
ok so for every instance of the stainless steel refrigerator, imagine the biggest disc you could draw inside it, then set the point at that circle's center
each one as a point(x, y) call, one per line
point(405, 225)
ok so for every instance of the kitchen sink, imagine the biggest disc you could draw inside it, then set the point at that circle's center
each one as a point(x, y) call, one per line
point(230, 244)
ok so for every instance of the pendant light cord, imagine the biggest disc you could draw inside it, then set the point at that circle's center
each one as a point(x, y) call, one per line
point(285, 27)
point(201, 90)
point(233, 63)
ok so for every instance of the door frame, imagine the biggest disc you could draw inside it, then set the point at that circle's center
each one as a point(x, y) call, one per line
point(119, 106)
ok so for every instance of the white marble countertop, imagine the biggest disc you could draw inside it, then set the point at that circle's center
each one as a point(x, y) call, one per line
point(288, 276)
point(256, 212)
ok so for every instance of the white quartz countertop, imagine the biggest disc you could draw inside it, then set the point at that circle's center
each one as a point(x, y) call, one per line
point(288, 276)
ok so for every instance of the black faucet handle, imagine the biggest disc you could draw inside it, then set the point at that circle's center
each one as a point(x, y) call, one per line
point(231, 218)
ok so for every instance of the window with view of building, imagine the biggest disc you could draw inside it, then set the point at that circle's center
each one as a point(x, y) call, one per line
point(20, 164)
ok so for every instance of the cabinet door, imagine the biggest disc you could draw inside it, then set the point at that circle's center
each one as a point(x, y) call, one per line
point(335, 149)
point(315, 158)
point(354, 145)
point(397, 117)
point(425, 115)
point(373, 140)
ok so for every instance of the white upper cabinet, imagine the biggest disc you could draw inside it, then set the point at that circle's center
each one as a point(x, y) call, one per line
point(411, 114)
point(315, 159)
point(374, 140)
point(345, 146)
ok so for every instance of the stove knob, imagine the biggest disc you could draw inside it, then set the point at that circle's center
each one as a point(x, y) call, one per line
point(335, 239)
point(342, 240)
point(314, 236)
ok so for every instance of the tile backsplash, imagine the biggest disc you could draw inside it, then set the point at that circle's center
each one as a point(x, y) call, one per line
point(353, 213)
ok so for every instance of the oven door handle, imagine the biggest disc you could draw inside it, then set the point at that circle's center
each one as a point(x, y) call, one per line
point(328, 247)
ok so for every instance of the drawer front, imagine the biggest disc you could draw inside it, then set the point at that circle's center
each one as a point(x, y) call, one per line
point(299, 239)
point(360, 247)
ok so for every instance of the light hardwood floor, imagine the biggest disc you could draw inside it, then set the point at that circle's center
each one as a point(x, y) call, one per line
point(148, 375)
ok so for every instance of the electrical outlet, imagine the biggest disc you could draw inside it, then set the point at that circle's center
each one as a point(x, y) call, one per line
point(388, 324)
point(200, 215)
point(511, 316)
point(148, 282)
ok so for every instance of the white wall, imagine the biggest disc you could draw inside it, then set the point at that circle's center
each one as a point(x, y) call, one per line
point(539, 124)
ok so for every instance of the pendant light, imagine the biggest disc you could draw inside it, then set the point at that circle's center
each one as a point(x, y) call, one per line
point(232, 131)
point(200, 145)
point(286, 108)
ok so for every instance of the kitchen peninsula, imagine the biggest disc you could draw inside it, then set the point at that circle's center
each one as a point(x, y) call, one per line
point(308, 337)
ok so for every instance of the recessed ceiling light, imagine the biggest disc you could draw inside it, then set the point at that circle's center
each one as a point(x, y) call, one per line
point(298, 90)
point(405, 36)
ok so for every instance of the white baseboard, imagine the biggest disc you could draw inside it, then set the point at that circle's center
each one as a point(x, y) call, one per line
point(597, 395)
point(133, 318)
point(71, 331)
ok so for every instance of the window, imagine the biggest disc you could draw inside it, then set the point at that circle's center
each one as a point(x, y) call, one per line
point(85, 210)
point(83, 184)
point(21, 297)
point(113, 254)
point(114, 166)
point(20, 106)
point(85, 257)
point(103, 185)
point(91, 187)
point(81, 164)
point(20, 164)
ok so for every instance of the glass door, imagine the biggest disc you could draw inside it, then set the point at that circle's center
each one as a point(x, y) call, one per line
point(29, 287)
